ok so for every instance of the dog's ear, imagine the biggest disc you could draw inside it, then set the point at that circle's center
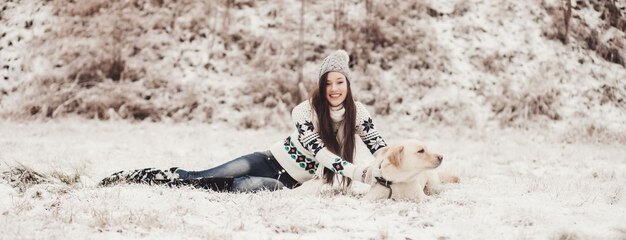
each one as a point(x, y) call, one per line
point(395, 155)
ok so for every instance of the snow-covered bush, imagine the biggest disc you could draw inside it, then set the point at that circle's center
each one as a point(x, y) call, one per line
point(603, 34)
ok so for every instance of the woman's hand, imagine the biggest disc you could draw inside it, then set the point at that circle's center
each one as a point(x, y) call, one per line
point(369, 174)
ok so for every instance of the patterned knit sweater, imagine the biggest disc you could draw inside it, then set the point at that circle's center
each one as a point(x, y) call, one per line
point(303, 151)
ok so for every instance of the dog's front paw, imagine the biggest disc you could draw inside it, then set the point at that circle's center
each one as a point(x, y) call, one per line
point(420, 197)
point(432, 190)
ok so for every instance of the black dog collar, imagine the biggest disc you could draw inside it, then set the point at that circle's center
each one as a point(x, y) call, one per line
point(385, 183)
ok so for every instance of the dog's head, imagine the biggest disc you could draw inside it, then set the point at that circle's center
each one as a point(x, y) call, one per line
point(410, 155)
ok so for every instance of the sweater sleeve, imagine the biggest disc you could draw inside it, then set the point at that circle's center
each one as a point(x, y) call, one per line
point(366, 130)
point(309, 138)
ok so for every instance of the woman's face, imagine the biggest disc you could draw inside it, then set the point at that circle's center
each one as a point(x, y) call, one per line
point(336, 88)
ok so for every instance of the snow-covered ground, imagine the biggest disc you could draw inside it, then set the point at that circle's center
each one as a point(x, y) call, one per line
point(515, 185)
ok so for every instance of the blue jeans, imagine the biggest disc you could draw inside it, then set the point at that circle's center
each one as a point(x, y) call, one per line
point(252, 172)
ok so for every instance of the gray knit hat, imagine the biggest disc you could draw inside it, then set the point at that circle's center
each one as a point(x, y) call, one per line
point(336, 62)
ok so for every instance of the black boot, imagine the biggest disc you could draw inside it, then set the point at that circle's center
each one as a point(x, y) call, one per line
point(151, 176)
point(218, 184)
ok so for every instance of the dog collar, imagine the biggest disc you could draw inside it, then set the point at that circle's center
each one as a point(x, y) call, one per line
point(382, 181)
point(385, 183)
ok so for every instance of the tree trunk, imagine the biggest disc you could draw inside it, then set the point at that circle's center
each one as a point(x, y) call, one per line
point(567, 14)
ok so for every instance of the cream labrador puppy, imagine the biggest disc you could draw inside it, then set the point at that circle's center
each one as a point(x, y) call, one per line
point(408, 171)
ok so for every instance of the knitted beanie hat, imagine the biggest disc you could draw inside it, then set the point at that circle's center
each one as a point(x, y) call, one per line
point(336, 62)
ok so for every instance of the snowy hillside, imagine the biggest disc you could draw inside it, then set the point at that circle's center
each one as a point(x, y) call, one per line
point(467, 63)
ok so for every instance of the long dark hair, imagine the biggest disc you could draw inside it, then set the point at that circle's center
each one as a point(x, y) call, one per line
point(322, 108)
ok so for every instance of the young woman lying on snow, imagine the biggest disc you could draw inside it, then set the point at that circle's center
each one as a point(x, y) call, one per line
point(323, 145)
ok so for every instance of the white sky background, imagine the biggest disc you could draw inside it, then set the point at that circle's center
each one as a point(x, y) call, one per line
point(562, 179)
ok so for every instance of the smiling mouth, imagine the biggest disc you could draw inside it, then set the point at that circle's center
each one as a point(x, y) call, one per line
point(335, 95)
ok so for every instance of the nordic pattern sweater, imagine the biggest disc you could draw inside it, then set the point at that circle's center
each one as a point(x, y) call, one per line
point(303, 151)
